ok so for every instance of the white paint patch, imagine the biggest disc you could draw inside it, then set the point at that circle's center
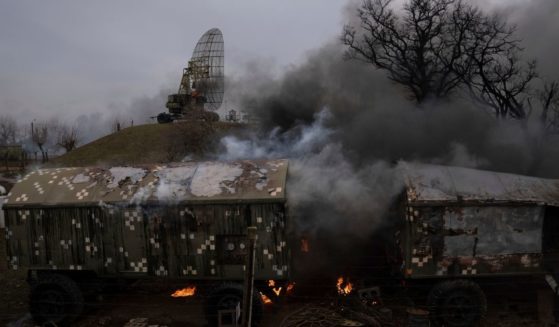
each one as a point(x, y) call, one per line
point(174, 182)
point(211, 178)
point(262, 179)
point(119, 174)
point(80, 178)
point(176, 174)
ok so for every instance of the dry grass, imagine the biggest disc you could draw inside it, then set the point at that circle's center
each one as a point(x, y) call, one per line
point(151, 143)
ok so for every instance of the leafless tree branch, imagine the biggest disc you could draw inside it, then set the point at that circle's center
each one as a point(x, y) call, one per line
point(436, 47)
point(8, 130)
point(67, 137)
point(40, 137)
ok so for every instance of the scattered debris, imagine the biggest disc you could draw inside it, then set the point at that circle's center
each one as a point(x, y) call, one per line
point(313, 315)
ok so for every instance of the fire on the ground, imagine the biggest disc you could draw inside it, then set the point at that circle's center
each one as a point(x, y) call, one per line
point(277, 290)
point(185, 292)
point(344, 286)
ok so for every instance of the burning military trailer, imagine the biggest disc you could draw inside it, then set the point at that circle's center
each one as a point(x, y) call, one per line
point(75, 230)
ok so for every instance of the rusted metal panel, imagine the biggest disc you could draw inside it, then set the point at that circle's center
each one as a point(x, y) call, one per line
point(430, 184)
point(473, 240)
point(470, 231)
point(205, 182)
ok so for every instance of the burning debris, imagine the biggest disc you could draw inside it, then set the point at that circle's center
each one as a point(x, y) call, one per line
point(442, 232)
point(185, 292)
point(277, 290)
point(344, 286)
point(265, 299)
point(435, 201)
point(290, 288)
point(272, 285)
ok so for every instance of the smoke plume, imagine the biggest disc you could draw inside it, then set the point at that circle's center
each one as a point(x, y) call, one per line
point(343, 171)
point(323, 181)
point(373, 120)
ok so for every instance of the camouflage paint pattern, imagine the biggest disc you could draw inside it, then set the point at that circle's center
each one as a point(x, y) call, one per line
point(181, 221)
point(467, 222)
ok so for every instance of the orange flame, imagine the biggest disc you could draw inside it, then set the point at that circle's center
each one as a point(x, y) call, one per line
point(290, 287)
point(304, 245)
point(272, 285)
point(265, 299)
point(344, 287)
point(188, 291)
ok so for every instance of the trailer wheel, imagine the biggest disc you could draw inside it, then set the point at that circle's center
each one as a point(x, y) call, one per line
point(227, 297)
point(456, 303)
point(55, 299)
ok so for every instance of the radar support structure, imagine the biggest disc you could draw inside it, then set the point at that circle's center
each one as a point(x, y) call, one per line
point(201, 87)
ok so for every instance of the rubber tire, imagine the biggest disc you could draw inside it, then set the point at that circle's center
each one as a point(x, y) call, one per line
point(231, 291)
point(443, 294)
point(58, 288)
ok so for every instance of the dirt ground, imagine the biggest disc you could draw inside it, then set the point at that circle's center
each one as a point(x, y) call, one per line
point(13, 296)
point(149, 305)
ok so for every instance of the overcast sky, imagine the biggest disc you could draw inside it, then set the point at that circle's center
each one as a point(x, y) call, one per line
point(64, 57)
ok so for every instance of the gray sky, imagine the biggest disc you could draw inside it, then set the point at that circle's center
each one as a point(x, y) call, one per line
point(64, 58)
point(67, 57)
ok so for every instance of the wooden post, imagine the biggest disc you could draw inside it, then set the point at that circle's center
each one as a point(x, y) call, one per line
point(3, 251)
point(248, 289)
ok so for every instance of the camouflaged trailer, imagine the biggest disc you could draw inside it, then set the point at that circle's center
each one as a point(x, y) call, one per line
point(462, 225)
point(185, 220)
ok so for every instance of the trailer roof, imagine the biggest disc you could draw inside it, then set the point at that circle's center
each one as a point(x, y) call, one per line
point(434, 183)
point(188, 182)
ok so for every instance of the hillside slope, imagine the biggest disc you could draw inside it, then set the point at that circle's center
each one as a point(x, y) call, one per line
point(151, 143)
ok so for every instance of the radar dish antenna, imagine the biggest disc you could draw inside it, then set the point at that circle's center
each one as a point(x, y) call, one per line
point(202, 84)
point(207, 68)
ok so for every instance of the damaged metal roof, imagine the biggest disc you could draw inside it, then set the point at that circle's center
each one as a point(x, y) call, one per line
point(434, 183)
point(239, 181)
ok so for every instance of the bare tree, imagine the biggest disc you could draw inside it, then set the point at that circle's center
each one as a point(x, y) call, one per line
point(498, 77)
point(8, 130)
point(117, 125)
point(439, 46)
point(419, 50)
point(67, 137)
point(40, 137)
point(549, 100)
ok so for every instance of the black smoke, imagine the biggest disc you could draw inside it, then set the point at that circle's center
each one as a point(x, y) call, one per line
point(345, 126)
point(374, 120)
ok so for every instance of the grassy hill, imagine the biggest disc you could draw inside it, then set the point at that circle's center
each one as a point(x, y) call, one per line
point(152, 143)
